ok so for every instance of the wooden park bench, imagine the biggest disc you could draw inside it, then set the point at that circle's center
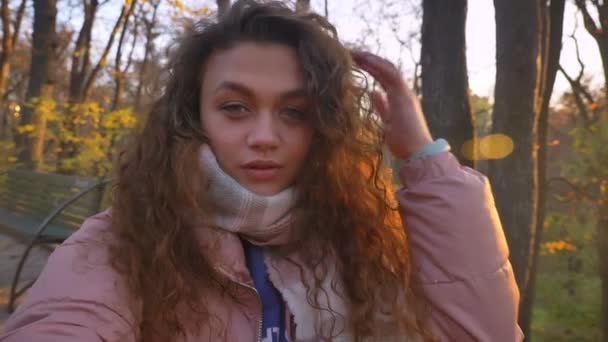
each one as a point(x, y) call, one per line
point(44, 210)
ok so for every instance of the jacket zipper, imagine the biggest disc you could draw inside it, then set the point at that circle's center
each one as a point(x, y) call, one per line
point(257, 295)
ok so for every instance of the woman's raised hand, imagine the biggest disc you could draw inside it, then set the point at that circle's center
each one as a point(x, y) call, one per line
point(405, 127)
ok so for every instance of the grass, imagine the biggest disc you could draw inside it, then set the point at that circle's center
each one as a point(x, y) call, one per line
point(567, 302)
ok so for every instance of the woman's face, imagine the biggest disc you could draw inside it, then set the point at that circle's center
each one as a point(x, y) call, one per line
point(255, 113)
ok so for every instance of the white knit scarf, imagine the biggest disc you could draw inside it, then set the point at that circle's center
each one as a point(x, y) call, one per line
point(266, 220)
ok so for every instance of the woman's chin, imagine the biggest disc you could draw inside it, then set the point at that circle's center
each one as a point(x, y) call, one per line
point(264, 189)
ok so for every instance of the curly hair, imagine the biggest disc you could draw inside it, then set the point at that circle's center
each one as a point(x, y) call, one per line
point(345, 201)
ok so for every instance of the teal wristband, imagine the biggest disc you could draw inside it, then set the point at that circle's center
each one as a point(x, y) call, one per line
point(437, 146)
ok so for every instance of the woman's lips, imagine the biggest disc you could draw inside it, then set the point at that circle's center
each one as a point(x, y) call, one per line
point(262, 174)
point(262, 170)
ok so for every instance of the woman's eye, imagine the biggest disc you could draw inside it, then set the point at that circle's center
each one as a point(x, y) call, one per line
point(295, 114)
point(235, 109)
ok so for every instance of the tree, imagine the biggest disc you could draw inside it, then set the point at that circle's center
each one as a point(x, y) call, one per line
point(388, 15)
point(586, 175)
point(552, 18)
point(81, 61)
point(82, 77)
point(9, 39)
point(514, 178)
point(41, 83)
point(9, 42)
point(445, 99)
point(589, 176)
point(127, 8)
point(149, 25)
point(119, 73)
point(597, 30)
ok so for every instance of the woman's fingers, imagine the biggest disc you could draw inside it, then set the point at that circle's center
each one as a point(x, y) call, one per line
point(406, 130)
point(397, 93)
point(380, 105)
point(381, 69)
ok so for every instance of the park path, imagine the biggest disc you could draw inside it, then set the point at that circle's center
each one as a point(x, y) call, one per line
point(10, 252)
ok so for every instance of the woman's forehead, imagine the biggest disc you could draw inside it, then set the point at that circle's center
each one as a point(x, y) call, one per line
point(273, 68)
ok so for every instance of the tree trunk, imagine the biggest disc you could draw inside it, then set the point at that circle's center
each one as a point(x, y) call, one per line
point(7, 45)
point(88, 85)
point(551, 34)
point(514, 178)
point(9, 40)
point(40, 119)
point(81, 66)
point(42, 75)
point(82, 81)
point(142, 71)
point(119, 74)
point(445, 97)
point(222, 7)
point(4, 112)
point(81, 62)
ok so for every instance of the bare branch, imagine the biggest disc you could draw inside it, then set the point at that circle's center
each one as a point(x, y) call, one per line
point(602, 10)
point(133, 44)
point(102, 61)
point(123, 34)
point(149, 25)
point(581, 73)
point(580, 104)
point(18, 21)
point(577, 51)
point(118, 72)
point(590, 24)
point(81, 52)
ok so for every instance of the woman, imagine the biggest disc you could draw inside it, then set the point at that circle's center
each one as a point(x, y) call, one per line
point(255, 205)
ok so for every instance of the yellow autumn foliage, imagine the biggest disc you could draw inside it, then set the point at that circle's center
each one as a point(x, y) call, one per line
point(553, 247)
point(80, 138)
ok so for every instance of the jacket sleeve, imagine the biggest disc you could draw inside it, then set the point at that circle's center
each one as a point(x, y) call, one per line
point(458, 250)
point(75, 298)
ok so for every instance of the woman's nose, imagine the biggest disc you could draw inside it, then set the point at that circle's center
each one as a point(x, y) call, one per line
point(264, 134)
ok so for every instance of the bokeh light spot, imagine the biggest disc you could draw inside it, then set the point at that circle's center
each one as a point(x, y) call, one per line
point(495, 146)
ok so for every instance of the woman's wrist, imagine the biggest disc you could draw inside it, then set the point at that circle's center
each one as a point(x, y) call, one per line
point(437, 146)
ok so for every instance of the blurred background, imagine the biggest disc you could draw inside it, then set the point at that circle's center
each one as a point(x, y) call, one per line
point(518, 87)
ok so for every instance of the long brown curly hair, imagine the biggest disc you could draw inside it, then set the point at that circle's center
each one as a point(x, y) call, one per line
point(345, 201)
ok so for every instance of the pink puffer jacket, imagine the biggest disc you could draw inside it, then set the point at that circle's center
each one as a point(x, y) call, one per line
point(457, 247)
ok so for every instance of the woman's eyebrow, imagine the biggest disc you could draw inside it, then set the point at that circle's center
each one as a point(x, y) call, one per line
point(246, 91)
point(294, 94)
point(234, 86)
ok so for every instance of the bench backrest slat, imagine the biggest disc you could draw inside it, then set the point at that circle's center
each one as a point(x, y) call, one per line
point(36, 195)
